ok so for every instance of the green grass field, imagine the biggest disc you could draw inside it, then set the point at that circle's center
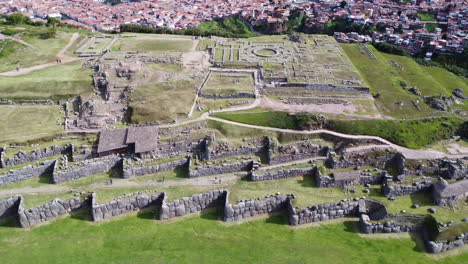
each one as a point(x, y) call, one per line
point(162, 101)
point(138, 239)
point(22, 122)
point(152, 44)
point(18, 55)
point(385, 79)
point(57, 82)
point(426, 16)
point(229, 83)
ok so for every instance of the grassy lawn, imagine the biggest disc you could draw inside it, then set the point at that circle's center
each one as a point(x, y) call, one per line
point(58, 82)
point(152, 44)
point(228, 83)
point(162, 101)
point(19, 55)
point(267, 118)
point(29, 121)
point(385, 79)
point(138, 239)
point(426, 16)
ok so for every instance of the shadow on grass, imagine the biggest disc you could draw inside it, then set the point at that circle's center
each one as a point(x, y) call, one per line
point(277, 219)
point(46, 178)
point(83, 214)
point(422, 199)
point(181, 173)
point(307, 181)
point(351, 226)
point(212, 214)
point(150, 213)
point(418, 240)
point(11, 221)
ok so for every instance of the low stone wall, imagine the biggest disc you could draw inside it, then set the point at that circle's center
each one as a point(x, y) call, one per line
point(231, 96)
point(131, 170)
point(378, 159)
point(297, 151)
point(22, 157)
point(63, 173)
point(9, 207)
point(193, 204)
point(321, 212)
point(237, 152)
point(282, 174)
point(437, 247)
point(27, 172)
point(250, 208)
point(221, 169)
point(375, 210)
point(400, 190)
point(118, 206)
point(385, 227)
point(49, 210)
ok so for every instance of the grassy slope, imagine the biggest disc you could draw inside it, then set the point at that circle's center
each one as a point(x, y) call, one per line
point(384, 79)
point(408, 133)
point(61, 81)
point(231, 26)
point(18, 55)
point(26, 121)
point(276, 119)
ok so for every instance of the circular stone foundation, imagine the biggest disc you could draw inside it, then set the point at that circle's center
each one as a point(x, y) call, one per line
point(265, 52)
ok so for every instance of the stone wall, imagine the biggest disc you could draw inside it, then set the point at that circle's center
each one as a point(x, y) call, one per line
point(399, 190)
point(231, 96)
point(250, 208)
point(27, 172)
point(321, 212)
point(297, 151)
point(63, 172)
point(437, 247)
point(9, 207)
point(130, 169)
point(282, 174)
point(378, 159)
point(375, 210)
point(118, 206)
point(22, 157)
point(193, 204)
point(368, 227)
point(221, 169)
point(50, 210)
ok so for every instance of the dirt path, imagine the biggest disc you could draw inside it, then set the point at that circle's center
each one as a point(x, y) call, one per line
point(18, 40)
point(334, 109)
point(60, 54)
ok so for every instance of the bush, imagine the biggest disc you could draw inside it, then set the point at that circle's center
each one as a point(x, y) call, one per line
point(389, 48)
point(10, 32)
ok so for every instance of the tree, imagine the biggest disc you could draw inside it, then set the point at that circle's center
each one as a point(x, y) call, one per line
point(52, 22)
point(17, 19)
point(343, 4)
point(51, 33)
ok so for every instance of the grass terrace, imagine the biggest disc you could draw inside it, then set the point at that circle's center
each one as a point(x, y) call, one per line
point(62, 82)
point(29, 121)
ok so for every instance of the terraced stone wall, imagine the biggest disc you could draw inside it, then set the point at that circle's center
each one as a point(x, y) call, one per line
point(27, 172)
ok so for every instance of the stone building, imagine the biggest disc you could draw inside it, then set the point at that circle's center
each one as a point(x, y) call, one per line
point(445, 193)
point(134, 140)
